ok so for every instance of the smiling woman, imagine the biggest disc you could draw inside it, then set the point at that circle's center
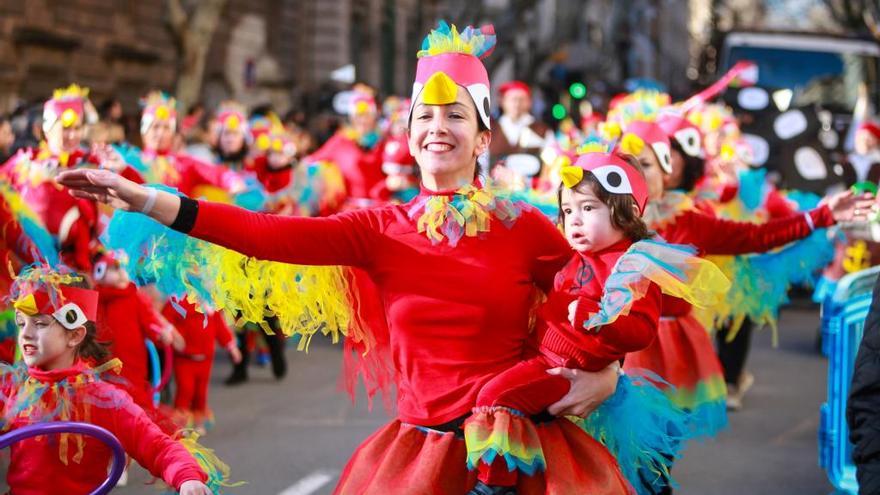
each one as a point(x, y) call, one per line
point(471, 260)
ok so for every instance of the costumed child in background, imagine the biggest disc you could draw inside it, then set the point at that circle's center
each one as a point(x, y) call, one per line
point(126, 318)
point(231, 136)
point(71, 221)
point(605, 303)
point(56, 315)
point(192, 366)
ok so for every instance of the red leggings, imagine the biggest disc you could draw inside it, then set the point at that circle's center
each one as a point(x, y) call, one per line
point(526, 387)
point(192, 379)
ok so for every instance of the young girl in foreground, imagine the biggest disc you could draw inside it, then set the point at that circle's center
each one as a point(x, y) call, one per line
point(604, 304)
point(55, 313)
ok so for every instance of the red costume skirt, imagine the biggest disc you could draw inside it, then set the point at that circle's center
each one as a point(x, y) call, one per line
point(683, 356)
point(404, 458)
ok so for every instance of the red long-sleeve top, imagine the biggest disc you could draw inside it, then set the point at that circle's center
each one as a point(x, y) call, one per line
point(583, 279)
point(361, 168)
point(199, 330)
point(125, 319)
point(711, 235)
point(36, 466)
point(457, 316)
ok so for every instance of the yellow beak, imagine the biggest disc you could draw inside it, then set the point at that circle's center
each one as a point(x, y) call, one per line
point(27, 305)
point(571, 175)
point(439, 90)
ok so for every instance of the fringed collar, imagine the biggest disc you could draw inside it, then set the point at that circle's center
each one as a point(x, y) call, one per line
point(467, 211)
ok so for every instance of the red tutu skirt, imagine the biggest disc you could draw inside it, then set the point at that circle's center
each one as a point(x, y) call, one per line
point(403, 458)
point(683, 356)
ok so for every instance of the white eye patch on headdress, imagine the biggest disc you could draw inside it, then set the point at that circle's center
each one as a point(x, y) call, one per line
point(70, 316)
point(689, 140)
point(613, 179)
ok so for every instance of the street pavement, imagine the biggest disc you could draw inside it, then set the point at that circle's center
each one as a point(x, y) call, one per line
point(293, 437)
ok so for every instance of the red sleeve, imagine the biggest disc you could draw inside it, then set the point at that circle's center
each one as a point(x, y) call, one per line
point(629, 333)
point(143, 440)
point(221, 329)
point(344, 239)
point(585, 307)
point(550, 251)
point(718, 236)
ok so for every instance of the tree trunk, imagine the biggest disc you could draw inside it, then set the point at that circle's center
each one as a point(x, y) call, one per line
point(194, 33)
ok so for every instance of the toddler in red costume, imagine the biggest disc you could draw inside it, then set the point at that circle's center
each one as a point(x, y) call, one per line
point(604, 304)
point(192, 365)
point(56, 316)
point(126, 319)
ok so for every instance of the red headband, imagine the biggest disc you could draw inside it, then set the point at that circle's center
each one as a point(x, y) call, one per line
point(614, 174)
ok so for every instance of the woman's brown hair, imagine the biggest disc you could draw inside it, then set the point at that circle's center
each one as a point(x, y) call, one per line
point(624, 210)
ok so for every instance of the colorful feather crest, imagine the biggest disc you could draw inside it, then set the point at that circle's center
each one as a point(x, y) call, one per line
point(640, 105)
point(72, 92)
point(39, 277)
point(447, 39)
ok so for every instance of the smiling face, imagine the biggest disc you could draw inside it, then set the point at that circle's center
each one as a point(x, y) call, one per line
point(62, 139)
point(445, 140)
point(587, 220)
point(44, 343)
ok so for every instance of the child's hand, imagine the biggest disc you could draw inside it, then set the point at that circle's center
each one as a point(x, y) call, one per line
point(572, 310)
point(234, 353)
point(195, 487)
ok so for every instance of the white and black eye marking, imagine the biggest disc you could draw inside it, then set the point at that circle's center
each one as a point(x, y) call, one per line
point(480, 94)
point(70, 316)
point(809, 164)
point(753, 99)
point(613, 179)
point(664, 156)
point(689, 139)
point(100, 270)
point(790, 124)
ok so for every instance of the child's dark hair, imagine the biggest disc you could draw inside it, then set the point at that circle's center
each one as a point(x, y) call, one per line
point(90, 348)
point(694, 168)
point(624, 209)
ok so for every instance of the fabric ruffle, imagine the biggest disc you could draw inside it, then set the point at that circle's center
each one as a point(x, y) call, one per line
point(500, 434)
point(468, 212)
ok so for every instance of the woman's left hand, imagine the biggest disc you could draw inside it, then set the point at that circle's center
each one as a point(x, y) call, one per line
point(588, 390)
point(848, 207)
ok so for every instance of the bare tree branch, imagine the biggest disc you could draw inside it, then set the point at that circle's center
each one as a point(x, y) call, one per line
point(177, 17)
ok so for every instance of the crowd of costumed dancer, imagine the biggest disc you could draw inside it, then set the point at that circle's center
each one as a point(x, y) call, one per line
point(542, 334)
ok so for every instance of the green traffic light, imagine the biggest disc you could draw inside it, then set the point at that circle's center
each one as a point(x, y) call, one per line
point(577, 90)
point(559, 111)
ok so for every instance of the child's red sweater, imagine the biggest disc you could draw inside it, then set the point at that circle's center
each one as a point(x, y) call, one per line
point(60, 463)
point(125, 320)
point(199, 330)
point(583, 279)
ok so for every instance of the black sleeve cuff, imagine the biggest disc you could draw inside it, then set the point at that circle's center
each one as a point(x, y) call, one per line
point(186, 215)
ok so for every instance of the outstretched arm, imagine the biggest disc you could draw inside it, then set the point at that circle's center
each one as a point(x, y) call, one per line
point(346, 239)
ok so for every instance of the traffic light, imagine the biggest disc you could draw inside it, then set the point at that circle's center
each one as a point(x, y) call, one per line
point(577, 90)
point(559, 111)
